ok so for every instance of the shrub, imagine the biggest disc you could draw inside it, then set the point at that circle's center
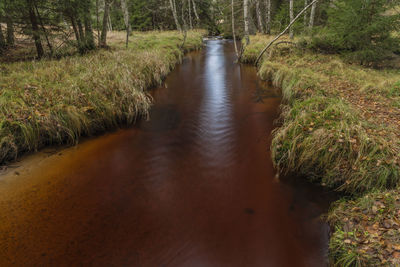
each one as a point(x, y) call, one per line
point(359, 29)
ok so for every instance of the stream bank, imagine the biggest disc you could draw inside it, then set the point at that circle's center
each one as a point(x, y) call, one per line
point(51, 102)
point(341, 128)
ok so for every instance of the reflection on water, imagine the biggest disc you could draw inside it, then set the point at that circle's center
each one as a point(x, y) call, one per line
point(194, 186)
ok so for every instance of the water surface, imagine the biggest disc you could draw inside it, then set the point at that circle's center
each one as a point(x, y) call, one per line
point(194, 186)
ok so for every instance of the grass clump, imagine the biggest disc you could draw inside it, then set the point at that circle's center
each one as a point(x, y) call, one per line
point(340, 126)
point(340, 122)
point(53, 102)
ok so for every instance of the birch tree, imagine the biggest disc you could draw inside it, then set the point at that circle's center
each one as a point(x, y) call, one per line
point(246, 20)
point(305, 14)
point(190, 14)
point(195, 12)
point(312, 16)
point(259, 18)
point(125, 10)
point(233, 27)
point(174, 13)
point(291, 14)
point(268, 16)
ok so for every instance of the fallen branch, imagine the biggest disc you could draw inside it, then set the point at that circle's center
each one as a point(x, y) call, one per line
point(284, 31)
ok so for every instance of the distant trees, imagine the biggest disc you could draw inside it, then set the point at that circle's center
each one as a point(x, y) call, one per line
point(54, 26)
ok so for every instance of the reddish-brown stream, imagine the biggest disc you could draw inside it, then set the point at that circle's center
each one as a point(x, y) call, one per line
point(193, 186)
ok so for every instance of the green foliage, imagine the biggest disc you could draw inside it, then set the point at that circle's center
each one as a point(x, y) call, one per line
point(359, 29)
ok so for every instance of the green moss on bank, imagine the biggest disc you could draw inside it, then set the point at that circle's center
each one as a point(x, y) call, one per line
point(58, 101)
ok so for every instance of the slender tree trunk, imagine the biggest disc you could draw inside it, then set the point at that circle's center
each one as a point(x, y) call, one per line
point(98, 23)
point(75, 28)
point(2, 40)
point(305, 14)
point(233, 28)
point(10, 31)
point(190, 15)
point(183, 16)
point(268, 15)
point(173, 9)
point(110, 26)
point(195, 12)
point(125, 10)
point(80, 29)
point(35, 29)
point(44, 30)
point(246, 20)
point(291, 13)
point(312, 16)
point(103, 39)
point(89, 37)
point(259, 18)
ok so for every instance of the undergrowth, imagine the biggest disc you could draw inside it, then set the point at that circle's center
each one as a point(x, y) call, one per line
point(57, 101)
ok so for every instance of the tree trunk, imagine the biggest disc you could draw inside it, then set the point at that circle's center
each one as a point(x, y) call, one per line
point(246, 20)
point(268, 15)
point(2, 41)
point(259, 18)
point(291, 13)
point(98, 23)
point(183, 16)
point(75, 28)
point(10, 31)
point(110, 26)
point(125, 10)
point(103, 39)
point(80, 29)
point(44, 30)
point(195, 12)
point(35, 29)
point(312, 16)
point(89, 37)
point(305, 14)
point(190, 15)
point(233, 28)
point(173, 8)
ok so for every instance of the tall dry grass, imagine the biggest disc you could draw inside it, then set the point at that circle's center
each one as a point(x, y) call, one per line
point(58, 101)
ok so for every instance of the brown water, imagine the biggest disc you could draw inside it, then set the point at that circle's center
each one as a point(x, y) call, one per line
point(194, 186)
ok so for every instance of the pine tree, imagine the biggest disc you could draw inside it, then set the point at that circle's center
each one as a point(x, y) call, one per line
point(360, 29)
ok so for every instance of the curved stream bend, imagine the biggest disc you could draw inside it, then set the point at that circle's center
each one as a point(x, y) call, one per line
point(194, 186)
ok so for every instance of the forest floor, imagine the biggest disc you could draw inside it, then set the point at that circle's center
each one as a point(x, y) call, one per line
point(341, 127)
point(52, 102)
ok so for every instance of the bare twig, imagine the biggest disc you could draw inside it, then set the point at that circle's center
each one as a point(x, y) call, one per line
point(284, 31)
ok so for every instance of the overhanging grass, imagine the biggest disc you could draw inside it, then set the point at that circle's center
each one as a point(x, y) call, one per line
point(54, 102)
point(331, 132)
point(341, 127)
